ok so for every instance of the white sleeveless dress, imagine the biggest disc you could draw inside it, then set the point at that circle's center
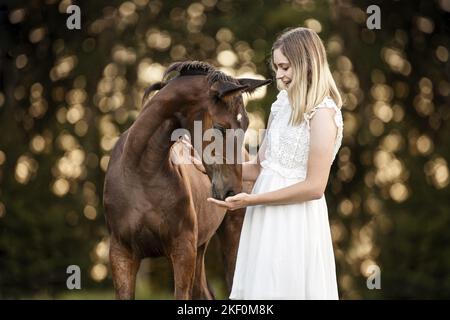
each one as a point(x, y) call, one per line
point(286, 251)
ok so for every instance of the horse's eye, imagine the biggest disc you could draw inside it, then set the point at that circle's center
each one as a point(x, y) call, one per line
point(221, 129)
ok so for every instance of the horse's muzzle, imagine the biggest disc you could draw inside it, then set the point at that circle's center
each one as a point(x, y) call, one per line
point(222, 194)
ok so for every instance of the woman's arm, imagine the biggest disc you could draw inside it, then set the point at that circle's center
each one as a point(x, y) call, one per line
point(322, 139)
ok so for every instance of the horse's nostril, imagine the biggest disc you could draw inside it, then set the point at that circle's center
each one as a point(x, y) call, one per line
point(229, 193)
point(215, 194)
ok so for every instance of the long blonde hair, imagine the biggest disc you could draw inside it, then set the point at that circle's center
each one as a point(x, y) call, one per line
point(312, 80)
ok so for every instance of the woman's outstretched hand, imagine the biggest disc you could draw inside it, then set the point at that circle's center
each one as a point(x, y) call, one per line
point(241, 200)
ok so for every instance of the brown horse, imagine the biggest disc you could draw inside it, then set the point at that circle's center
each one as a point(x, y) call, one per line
point(155, 206)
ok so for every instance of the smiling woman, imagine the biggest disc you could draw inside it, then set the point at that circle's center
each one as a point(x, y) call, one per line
point(285, 249)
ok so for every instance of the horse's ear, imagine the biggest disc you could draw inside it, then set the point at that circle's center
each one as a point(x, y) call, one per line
point(153, 87)
point(252, 84)
point(226, 88)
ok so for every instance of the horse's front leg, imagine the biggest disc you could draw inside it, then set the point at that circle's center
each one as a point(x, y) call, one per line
point(229, 234)
point(201, 290)
point(183, 253)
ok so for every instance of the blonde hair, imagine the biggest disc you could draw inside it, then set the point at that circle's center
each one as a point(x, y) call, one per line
point(312, 80)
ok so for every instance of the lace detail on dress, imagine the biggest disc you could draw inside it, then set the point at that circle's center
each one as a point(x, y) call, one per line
point(288, 146)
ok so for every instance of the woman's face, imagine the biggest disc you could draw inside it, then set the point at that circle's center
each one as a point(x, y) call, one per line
point(283, 68)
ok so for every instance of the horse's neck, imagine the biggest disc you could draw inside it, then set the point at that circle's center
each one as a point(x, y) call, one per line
point(154, 155)
point(149, 139)
point(139, 133)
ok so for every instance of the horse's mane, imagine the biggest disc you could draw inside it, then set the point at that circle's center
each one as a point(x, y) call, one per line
point(189, 68)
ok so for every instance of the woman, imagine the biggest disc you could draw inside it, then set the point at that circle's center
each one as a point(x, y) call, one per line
point(285, 249)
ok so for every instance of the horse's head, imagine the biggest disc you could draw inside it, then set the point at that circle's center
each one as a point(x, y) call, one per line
point(228, 122)
point(215, 101)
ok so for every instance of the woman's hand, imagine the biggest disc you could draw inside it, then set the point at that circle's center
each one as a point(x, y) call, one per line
point(241, 200)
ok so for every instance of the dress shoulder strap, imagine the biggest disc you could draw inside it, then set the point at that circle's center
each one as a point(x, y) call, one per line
point(326, 103)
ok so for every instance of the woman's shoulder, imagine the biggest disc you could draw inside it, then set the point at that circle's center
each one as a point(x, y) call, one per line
point(327, 103)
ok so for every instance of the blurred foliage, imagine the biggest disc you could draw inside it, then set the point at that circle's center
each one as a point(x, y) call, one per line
point(66, 95)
